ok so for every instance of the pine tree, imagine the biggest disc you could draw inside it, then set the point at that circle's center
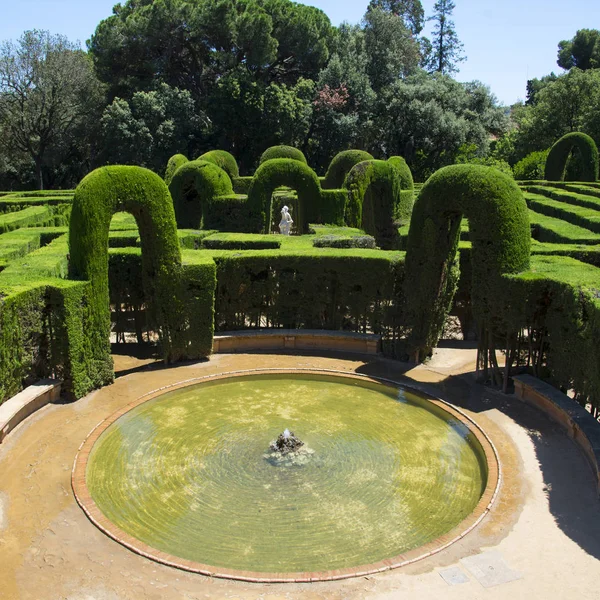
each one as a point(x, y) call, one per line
point(410, 11)
point(446, 48)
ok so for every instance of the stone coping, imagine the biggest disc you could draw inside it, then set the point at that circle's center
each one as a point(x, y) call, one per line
point(25, 403)
point(84, 499)
point(296, 339)
point(577, 422)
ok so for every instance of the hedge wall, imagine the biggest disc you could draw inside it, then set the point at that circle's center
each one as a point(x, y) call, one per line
point(341, 165)
point(283, 172)
point(500, 235)
point(282, 152)
point(556, 162)
point(223, 159)
point(174, 163)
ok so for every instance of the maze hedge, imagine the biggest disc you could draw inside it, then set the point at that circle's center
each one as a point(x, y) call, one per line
point(282, 152)
point(174, 163)
point(341, 165)
point(223, 159)
point(556, 162)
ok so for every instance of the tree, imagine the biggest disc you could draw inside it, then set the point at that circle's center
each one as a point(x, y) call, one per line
point(446, 49)
point(583, 51)
point(48, 91)
point(410, 11)
point(535, 86)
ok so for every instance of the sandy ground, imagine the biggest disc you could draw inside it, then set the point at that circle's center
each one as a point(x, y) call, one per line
point(544, 529)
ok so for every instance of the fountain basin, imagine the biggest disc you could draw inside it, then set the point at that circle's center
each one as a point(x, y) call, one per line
point(182, 477)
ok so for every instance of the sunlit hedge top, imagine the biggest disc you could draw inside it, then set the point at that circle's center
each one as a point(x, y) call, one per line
point(340, 167)
point(283, 152)
point(222, 159)
point(556, 162)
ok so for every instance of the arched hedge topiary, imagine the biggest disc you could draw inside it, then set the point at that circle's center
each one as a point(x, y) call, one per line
point(375, 200)
point(340, 166)
point(283, 152)
point(556, 162)
point(500, 235)
point(223, 159)
point(407, 187)
point(193, 186)
point(174, 163)
point(283, 172)
point(144, 194)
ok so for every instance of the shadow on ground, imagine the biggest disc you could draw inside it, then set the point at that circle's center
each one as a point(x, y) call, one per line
point(569, 481)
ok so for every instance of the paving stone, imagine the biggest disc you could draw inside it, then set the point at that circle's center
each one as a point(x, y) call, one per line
point(490, 569)
point(454, 576)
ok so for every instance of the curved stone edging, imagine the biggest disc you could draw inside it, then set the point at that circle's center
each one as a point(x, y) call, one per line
point(16, 409)
point(578, 423)
point(96, 516)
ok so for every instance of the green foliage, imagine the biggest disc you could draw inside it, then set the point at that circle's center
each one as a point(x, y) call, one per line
point(410, 11)
point(240, 241)
point(499, 233)
point(283, 172)
point(556, 161)
point(28, 217)
point(223, 159)
point(342, 241)
point(341, 165)
point(583, 51)
point(141, 192)
point(446, 48)
point(176, 161)
point(194, 188)
point(282, 152)
point(532, 166)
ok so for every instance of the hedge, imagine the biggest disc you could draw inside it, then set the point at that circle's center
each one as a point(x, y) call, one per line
point(577, 215)
point(282, 152)
point(500, 237)
point(341, 165)
point(28, 217)
point(141, 192)
point(558, 156)
point(407, 187)
point(194, 187)
point(241, 241)
point(223, 159)
point(283, 172)
point(532, 166)
point(176, 161)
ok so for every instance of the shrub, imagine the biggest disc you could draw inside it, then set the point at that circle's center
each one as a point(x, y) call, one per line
point(341, 165)
point(407, 187)
point(341, 241)
point(223, 159)
point(283, 172)
point(532, 166)
point(194, 186)
point(282, 152)
point(556, 162)
point(174, 163)
point(500, 236)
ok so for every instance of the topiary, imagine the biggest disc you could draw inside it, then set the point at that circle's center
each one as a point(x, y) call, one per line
point(407, 187)
point(174, 163)
point(144, 194)
point(282, 152)
point(283, 172)
point(193, 188)
point(500, 235)
point(223, 159)
point(375, 200)
point(531, 167)
point(341, 165)
point(559, 153)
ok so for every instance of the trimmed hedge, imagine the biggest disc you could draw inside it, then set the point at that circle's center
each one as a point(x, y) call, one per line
point(194, 188)
point(407, 186)
point(501, 240)
point(282, 152)
point(374, 201)
point(141, 192)
point(223, 159)
point(341, 165)
point(283, 172)
point(556, 162)
point(241, 241)
point(176, 161)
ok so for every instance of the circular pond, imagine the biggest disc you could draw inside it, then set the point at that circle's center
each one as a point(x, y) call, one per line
point(188, 477)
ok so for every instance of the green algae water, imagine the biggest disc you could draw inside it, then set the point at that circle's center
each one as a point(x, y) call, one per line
point(189, 473)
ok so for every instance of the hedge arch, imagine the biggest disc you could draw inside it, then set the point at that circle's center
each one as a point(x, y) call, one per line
point(193, 187)
point(283, 152)
point(341, 165)
point(174, 163)
point(144, 194)
point(283, 172)
point(407, 187)
point(501, 240)
point(223, 159)
point(375, 200)
point(556, 162)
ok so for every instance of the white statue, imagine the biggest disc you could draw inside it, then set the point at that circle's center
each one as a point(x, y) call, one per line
point(286, 221)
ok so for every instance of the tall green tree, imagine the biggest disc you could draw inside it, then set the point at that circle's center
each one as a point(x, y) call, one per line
point(445, 50)
point(583, 51)
point(410, 11)
point(48, 95)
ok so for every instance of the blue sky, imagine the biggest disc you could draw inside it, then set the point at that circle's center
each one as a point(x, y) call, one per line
point(506, 41)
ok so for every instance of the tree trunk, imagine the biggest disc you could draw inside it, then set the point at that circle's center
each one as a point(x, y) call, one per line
point(38, 172)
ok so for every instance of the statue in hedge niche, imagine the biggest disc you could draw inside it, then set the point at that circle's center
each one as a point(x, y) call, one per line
point(285, 225)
